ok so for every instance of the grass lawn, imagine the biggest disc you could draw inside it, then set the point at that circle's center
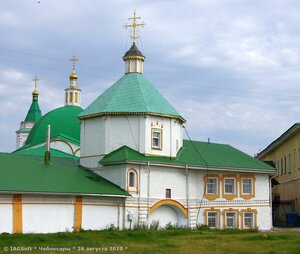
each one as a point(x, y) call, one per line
point(163, 241)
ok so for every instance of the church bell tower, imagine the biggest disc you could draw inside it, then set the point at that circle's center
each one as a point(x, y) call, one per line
point(73, 93)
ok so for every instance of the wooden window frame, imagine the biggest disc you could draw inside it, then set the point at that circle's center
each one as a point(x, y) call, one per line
point(230, 196)
point(237, 218)
point(246, 195)
point(161, 139)
point(208, 195)
point(212, 210)
point(249, 210)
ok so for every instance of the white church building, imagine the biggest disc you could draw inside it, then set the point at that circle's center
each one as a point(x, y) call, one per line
point(123, 161)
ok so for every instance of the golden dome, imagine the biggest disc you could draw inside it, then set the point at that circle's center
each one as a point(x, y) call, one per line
point(73, 74)
point(35, 92)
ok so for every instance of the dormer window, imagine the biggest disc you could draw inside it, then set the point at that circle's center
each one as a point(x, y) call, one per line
point(156, 139)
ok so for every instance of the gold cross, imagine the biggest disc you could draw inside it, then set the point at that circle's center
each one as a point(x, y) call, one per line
point(134, 25)
point(35, 81)
point(74, 60)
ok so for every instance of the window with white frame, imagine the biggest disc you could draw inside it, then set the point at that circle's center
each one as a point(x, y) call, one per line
point(211, 186)
point(248, 220)
point(230, 219)
point(229, 186)
point(247, 186)
point(212, 219)
point(156, 139)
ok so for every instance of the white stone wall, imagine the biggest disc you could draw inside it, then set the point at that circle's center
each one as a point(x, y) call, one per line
point(101, 213)
point(47, 218)
point(172, 136)
point(6, 213)
point(103, 135)
point(191, 196)
point(21, 139)
point(6, 218)
point(115, 173)
point(53, 213)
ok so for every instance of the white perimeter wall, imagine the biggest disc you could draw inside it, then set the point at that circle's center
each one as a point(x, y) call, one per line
point(6, 217)
point(99, 217)
point(48, 214)
point(47, 218)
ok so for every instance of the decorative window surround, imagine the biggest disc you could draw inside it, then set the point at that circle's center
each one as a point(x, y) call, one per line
point(249, 216)
point(212, 196)
point(229, 195)
point(212, 218)
point(231, 218)
point(132, 180)
point(244, 181)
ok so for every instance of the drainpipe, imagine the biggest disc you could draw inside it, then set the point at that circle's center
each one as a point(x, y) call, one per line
point(148, 194)
point(47, 152)
point(171, 136)
point(118, 222)
point(270, 197)
point(139, 195)
point(187, 195)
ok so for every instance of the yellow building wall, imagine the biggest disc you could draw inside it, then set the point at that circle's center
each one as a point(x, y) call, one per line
point(288, 173)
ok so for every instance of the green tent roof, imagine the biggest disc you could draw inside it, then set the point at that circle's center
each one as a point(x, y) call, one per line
point(21, 173)
point(34, 113)
point(132, 94)
point(194, 153)
point(64, 125)
point(40, 151)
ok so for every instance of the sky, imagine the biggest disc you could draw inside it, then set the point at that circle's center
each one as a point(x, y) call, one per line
point(230, 67)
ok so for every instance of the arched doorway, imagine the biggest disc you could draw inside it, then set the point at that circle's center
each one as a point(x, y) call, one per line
point(168, 211)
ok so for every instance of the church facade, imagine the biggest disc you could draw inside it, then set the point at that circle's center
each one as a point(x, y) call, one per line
point(130, 167)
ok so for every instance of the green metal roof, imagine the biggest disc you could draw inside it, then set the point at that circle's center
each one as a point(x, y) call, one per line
point(40, 151)
point(21, 173)
point(194, 153)
point(34, 113)
point(64, 124)
point(132, 94)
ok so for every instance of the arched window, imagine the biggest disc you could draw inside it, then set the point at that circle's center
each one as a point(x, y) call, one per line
point(132, 180)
